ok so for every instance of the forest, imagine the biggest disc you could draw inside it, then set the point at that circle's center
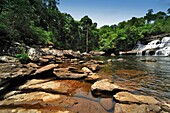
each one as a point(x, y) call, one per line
point(39, 22)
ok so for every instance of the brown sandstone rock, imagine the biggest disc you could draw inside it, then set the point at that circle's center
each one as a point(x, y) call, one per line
point(105, 86)
point(47, 85)
point(134, 108)
point(37, 99)
point(71, 73)
point(125, 97)
point(46, 68)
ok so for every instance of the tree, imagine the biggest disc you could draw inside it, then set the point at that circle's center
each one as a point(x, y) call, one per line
point(86, 23)
point(149, 16)
point(168, 11)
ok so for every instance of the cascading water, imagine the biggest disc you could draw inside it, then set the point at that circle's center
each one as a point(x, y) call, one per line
point(161, 48)
point(164, 47)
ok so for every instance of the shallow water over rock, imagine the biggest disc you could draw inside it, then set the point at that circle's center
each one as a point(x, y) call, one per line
point(148, 78)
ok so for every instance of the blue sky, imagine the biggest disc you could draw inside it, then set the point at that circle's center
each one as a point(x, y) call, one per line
point(109, 12)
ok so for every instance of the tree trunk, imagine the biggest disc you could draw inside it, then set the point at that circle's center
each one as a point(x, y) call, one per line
point(87, 40)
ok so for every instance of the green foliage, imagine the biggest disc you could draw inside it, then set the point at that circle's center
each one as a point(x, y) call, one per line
point(40, 22)
point(23, 57)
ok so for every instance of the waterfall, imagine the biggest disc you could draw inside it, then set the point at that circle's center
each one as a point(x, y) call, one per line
point(161, 48)
point(164, 47)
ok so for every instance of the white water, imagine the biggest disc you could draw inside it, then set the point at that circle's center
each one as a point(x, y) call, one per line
point(161, 48)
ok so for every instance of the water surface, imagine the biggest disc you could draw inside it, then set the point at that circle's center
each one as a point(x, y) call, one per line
point(147, 78)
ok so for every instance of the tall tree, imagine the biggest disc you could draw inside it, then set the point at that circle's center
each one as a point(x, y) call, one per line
point(86, 23)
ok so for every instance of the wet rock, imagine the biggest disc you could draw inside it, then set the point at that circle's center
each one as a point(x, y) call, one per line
point(126, 97)
point(46, 85)
point(71, 73)
point(38, 100)
point(134, 108)
point(105, 86)
point(8, 59)
point(46, 68)
point(106, 103)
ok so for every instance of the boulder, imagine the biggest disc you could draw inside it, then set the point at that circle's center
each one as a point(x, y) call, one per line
point(46, 68)
point(34, 54)
point(105, 87)
point(126, 97)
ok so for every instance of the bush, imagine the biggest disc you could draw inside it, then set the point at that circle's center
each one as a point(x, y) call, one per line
point(23, 57)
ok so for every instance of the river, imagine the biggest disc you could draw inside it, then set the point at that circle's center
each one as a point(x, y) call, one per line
point(147, 78)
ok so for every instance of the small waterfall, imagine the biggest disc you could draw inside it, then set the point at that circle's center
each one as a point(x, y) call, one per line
point(161, 48)
point(164, 47)
point(139, 53)
point(147, 53)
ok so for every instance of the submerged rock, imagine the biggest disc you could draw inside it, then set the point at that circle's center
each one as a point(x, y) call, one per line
point(149, 60)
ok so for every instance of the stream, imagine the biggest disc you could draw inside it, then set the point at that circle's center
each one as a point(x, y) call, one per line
point(147, 78)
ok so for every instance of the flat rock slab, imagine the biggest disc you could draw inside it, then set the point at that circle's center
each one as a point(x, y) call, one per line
point(24, 110)
point(46, 85)
point(125, 97)
point(69, 73)
point(105, 86)
point(38, 100)
point(134, 108)
point(46, 68)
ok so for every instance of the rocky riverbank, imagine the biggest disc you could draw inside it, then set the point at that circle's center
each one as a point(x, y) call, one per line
point(61, 81)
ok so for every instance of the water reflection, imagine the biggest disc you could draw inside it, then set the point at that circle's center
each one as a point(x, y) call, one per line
point(150, 78)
